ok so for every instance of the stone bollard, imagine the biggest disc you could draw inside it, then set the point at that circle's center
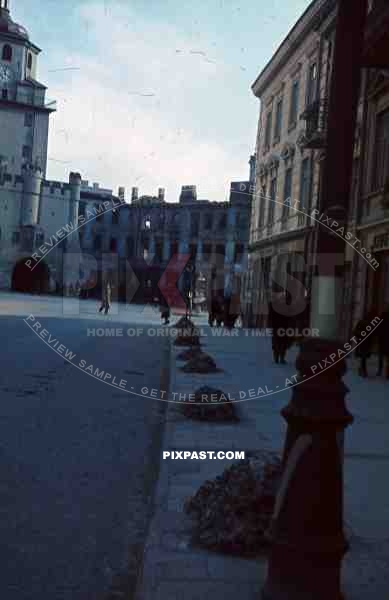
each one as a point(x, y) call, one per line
point(308, 541)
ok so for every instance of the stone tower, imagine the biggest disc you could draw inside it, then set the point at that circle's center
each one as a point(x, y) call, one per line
point(24, 112)
point(24, 126)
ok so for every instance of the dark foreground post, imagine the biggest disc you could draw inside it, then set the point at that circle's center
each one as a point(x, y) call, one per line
point(308, 542)
point(307, 531)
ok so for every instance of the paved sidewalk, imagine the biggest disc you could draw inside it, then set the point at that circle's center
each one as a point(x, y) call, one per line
point(172, 569)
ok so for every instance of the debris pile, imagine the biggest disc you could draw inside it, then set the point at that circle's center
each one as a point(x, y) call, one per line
point(187, 333)
point(189, 353)
point(201, 363)
point(211, 405)
point(232, 513)
point(184, 323)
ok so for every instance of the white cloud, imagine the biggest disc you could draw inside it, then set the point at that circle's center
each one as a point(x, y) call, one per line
point(146, 108)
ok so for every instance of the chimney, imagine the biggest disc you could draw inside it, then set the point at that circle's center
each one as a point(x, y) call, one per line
point(122, 194)
point(161, 194)
point(134, 194)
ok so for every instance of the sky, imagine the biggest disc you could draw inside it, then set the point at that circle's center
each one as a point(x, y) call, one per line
point(154, 93)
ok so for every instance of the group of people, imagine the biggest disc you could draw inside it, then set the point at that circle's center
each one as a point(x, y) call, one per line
point(222, 312)
point(369, 338)
point(377, 340)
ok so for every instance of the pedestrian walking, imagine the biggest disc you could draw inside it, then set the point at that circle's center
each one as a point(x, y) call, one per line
point(165, 311)
point(280, 320)
point(217, 311)
point(106, 300)
point(365, 342)
point(383, 344)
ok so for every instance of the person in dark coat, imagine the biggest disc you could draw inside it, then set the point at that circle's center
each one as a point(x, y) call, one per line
point(365, 343)
point(217, 311)
point(280, 320)
point(106, 300)
point(165, 311)
point(383, 344)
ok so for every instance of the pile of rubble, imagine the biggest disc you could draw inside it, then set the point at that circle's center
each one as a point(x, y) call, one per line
point(232, 513)
point(201, 362)
point(211, 405)
point(184, 323)
point(189, 353)
point(187, 333)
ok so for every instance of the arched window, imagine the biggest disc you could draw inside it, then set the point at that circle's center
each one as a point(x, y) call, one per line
point(7, 52)
point(29, 61)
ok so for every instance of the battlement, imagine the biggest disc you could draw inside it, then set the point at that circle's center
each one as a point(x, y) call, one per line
point(34, 170)
point(11, 182)
point(57, 189)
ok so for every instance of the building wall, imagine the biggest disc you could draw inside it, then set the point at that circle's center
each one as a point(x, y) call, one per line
point(288, 230)
point(371, 285)
point(12, 128)
point(156, 231)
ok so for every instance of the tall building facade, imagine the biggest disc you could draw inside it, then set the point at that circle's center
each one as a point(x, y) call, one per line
point(370, 278)
point(292, 90)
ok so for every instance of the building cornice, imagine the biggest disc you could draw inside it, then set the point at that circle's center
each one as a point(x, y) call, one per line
point(285, 236)
point(372, 224)
point(313, 16)
point(23, 106)
point(10, 37)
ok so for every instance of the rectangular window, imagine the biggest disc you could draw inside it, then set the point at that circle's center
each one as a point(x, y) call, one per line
point(271, 201)
point(269, 120)
point(208, 221)
point(28, 119)
point(312, 84)
point(81, 209)
point(159, 251)
point(305, 184)
point(222, 222)
point(193, 251)
point(27, 153)
point(130, 246)
point(115, 217)
point(239, 251)
point(16, 237)
point(4, 94)
point(194, 224)
point(262, 204)
point(98, 242)
point(294, 103)
point(278, 124)
point(305, 190)
point(381, 159)
point(287, 193)
point(207, 252)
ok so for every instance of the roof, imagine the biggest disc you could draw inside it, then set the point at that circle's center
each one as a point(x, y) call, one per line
point(307, 23)
point(14, 31)
point(7, 25)
point(33, 83)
